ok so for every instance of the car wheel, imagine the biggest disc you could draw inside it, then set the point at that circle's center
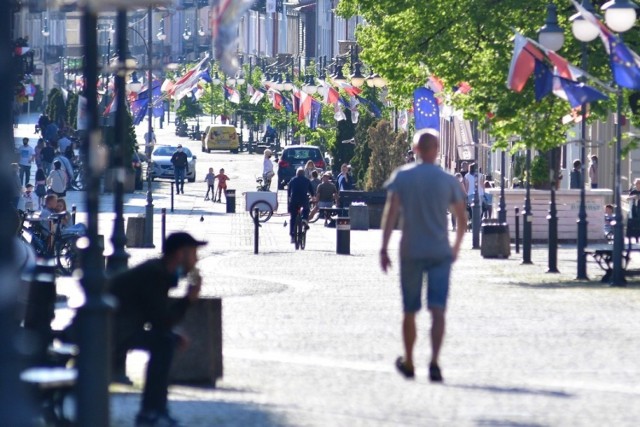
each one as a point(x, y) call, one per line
point(209, 151)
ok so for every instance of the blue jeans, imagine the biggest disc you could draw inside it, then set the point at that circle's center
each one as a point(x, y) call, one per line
point(293, 211)
point(25, 174)
point(179, 178)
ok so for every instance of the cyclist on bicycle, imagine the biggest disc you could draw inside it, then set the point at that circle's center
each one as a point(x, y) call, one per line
point(298, 192)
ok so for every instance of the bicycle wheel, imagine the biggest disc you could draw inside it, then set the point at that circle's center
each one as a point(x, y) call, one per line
point(67, 255)
point(303, 238)
point(264, 210)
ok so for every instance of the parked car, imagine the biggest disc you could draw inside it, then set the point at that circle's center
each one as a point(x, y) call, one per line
point(220, 137)
point(161, 166)
point(293, 157)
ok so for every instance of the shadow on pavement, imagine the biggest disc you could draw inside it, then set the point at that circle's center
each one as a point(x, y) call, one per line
point(512, 390)
point(505, 423)
point(595, 284)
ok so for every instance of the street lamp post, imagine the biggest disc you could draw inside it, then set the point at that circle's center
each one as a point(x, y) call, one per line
point(584, 31)
point(551, 37)
point(119, 258)
point(148, 222)
point(45, 34)
point(526, 215)
point(502, 209)
point(476, 213)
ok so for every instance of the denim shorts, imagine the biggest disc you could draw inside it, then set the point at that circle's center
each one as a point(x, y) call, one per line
point(412, 273)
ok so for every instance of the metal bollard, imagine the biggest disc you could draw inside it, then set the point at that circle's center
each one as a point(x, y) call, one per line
point(163, 226)
point(256, 228)
point(172, 183)
point(230, 199)
point(517, 230)
point(73, 214)
point(343, 235)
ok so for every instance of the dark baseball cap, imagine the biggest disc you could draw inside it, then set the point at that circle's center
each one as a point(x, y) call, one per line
point(180, 240)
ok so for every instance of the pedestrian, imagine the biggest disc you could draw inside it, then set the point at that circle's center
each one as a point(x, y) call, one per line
point(344, 180)
point(460, 180)
point(298, 192)
point(575, 178)
point(593, 171)
point(145, 317)
point(222, 184)
point(37, 153)
point(57, 180)
point(309, 167)
point(46, 157)
point(41, 187)
point(423, 192)
point(26, 156)
point(180, 164)
point(63, 142)
point(267, 170)
point(29, 199)
point(210, 180)
point(150, 142)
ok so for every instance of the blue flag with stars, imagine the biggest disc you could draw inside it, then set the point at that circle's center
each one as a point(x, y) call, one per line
point(425, 109)
point(543, 80)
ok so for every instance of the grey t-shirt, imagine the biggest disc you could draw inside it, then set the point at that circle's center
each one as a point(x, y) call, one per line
point(426, 192)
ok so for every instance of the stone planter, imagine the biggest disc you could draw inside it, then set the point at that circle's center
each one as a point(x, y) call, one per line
point(567, 204)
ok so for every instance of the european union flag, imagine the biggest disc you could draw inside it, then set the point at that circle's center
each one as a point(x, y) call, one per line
point(578, 93)
point(371, 106)
point(139, 110)
point(624, 63)
point(543, 80)
point(425, 109)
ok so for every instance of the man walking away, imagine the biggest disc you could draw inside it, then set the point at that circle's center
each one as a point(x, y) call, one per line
point(423, 192)
point(180, 167)
point(298, 191)
point(145, 316)
point(27, 156)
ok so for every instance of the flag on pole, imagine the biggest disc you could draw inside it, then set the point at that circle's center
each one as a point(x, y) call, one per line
point(316, 109)
point(139, 110)
point(231, 94)
point(403, 120)
point(276, 98)
point(225, 17)
point(167, 85)
point(576, 93)
point(435, 84)
point(349, 89)
point(543, 80)
point(338, 112)
point(522, 62)
point(256, 97)
point(184, 84)
point(204, 75)
point(371, 106)
point(353, 107)
point(425, 109)
point(304, 109)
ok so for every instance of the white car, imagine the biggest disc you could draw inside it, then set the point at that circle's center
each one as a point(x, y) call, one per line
point(161, 166)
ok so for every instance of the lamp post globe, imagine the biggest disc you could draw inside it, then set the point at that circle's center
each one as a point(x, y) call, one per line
point(379, 82)
point(550, 35)
point(620, 15)
point(582, 29)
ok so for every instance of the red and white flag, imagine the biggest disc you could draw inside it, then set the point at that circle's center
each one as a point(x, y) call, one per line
point(256, 97)
point(351, 90)
point(522, 62)
point(304, 109)
point(186, 83)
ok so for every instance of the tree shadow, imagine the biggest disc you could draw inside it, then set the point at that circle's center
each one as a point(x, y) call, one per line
point(505, 423)
point(513, 390)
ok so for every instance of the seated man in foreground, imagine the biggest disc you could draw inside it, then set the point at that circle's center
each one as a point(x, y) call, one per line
point(145, 316)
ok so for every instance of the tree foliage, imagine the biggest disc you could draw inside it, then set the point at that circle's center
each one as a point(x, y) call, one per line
point(56, 107)
point(72, 110)
point(472, 41)
point(387, 153)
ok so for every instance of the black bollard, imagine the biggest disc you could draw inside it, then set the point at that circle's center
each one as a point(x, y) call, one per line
point(163, 227)
point(73, 214)
point(517, 230)
point(343, 235)
point(230, 198)
point(256, 230)
point(172, 196)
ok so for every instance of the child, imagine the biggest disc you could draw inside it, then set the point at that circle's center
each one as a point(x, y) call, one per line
point(29, 198)
point(210, 179)
point(41, 187)
point(222, 183)
point(608, 217)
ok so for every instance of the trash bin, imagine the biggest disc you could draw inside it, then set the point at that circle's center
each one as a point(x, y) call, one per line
point(359, 215)
point(230, 196)
point(495, 241)
point(343, 236)
point(135, 231)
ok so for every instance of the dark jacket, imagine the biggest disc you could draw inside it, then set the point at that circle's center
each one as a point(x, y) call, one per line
point(142, 297)
point(180, 160)
point(298, 191)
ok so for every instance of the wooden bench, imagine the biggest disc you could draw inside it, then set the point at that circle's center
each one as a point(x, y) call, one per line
point(603, 256)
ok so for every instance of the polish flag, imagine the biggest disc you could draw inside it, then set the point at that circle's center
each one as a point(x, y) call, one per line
point(522, 63)
point(304, 108)
point(351, 90)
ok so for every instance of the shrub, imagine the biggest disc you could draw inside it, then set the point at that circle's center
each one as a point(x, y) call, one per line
point(387, 153)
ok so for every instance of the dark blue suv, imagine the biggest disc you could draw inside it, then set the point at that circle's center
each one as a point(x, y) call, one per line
point(296, 156)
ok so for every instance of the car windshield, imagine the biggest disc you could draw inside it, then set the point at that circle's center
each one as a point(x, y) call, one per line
point(168, 151)
point(302, 154)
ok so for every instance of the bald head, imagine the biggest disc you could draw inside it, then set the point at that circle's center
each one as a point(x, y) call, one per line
point(425, 145)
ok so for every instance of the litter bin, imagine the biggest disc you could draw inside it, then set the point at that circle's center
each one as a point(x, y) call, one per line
point(343, 235)
point(495, 241)
point(359, 215)
point(230, 196)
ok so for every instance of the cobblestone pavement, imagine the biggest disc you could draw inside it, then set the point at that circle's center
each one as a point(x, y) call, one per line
point(310, 336)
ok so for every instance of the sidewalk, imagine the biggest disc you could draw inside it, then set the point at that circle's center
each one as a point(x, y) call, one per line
point(310, 336)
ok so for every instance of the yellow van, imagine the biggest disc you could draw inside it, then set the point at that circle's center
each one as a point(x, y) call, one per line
point(220, 137)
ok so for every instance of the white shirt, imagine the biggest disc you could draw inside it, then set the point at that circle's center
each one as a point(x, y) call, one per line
point(267, 166)
point(471, 185)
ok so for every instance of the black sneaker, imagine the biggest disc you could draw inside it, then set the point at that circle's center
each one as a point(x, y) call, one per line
point(156, 419)
point(404, 369)
point(434, 373)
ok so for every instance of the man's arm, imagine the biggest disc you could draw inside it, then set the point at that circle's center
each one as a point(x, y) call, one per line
point(389, 220)
point(459, 209)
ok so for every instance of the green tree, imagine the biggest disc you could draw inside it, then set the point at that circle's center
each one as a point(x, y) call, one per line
point(387, 153)
point(472, 40)
point(72, 110)
point(56, 107)
point(362, 151)
point(189, 108)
